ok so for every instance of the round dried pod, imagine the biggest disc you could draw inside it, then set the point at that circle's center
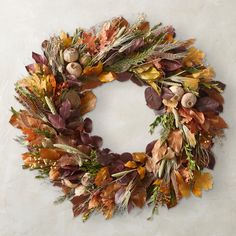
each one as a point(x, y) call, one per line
point(188, 100)
point(73, 98)
point(80, 190)
point(70, 55)
point(74, 68)
point(177, 91)
point(85, 59)
point(86, 179)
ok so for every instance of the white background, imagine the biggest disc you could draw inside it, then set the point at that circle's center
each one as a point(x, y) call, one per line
point(26, 204)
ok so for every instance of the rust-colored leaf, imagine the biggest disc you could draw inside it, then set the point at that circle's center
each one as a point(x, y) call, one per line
point(49, 153)
point(88, 102)
point(141, 171)
point(184, 188)
point(93, 70)
point(130, 164)
point(175, 140)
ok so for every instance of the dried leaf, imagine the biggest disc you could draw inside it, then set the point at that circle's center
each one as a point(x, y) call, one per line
point(205, 104)
point(57, 121)
point(189, 136)
point(203, 181)
point(107, 77)
point(153, 100)
point(194, 57)
point(89, 40)
point(158, 151)
point(139, 157)
point(184, 188)
point(93, 70)
point(88, 102)
point(175, 140)
point(49, 153)
point(102, 177)
point(130, 164)
point(65, 109)
point(141, 171)
point(66, 39)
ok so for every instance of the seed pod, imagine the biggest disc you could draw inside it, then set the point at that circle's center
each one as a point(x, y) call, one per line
point(188, 100)
point(85, 59)
point(70, 55)
point(177, 91)
point(80, 190)
point(74, 68)
point(86, 179)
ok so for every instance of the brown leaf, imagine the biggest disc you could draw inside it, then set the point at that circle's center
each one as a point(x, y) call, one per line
point(138, 196)
point(88, 102)
point(175, 140)
point(158, 151)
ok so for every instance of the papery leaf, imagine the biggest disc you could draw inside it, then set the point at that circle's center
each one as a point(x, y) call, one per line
point(168, 65)
point(159, 150)
point(39, 58)
point(184, 188)
point(102, 177)
point(202, 181)
point(89, 40)
point(124, 76)
point(65, 39)
point(57, 121)
point(139, 157)
point(65, 109)
point(88, 102)
point(217, 122)
point(88, 125)
point(175, 140)
point(189, 136)
point(49, 153)
point(107, 77)
point(153, 100)
point(141, 171)
point(206, 104)
point(193, 57)
point(166, 93)
point(130, 164)
point(138, 196)
point(93, 70)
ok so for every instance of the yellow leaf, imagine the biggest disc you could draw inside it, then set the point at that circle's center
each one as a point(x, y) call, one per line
point(141, 171)
point(184, 188)
point(88, 102)
point(66, 39)
point(193, 57)
point(150, 75)
point(139, 157)
point(191, 83)
point(107, 77)
point(157, 182)
point(203, 181)
point(93, 70)
point(130, 164)
point(170, 103)
point(206, 75)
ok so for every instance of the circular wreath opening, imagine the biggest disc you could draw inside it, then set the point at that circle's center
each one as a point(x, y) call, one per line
point(57, 93)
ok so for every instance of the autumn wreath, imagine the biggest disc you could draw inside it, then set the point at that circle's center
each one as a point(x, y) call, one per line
point(57, 95)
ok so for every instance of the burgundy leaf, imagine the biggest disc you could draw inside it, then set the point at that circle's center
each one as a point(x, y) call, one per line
point(124, 76)
point(96, 141)
point(65, 109)
point(57, 121)
point(126, 156)
point(168, 65)
point(88, 125)
point(153, 100)
point(137, 81)
point(135, 45)
point(206, 104)
point(85, 138)
point(30, 68)
point(39, 58)
point(166, 93)
point(105, 159)
point(212, 161)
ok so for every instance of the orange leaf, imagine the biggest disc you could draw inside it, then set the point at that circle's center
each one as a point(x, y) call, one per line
point(139, 197)
point(139, 157)
point(93, 70)
point(141, 171)
point(49, 153)
point(102, 176)
point(107, 77)
point(88, 102)
point(203, 181)
point(218, 122)
point(130, 164)
point(175, 140)
point(66, 39)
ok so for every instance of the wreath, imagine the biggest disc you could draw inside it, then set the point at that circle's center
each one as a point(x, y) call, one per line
point(57, 93)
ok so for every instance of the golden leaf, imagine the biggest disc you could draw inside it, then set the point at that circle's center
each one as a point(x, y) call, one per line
point(175, 140)
point(203, 181)
point(170, 103)
point(189, 136)
point(184, 188)
point(151, 74)
point(66, 39)
point(206, 75)
point(88, 102)
point(141, 171)
point(107, 77)
point(139, 157)
point(191, 83)
point(102, 176)
point(49, 153)
point(130, 164)
point(93, 70)
point(193, 57)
